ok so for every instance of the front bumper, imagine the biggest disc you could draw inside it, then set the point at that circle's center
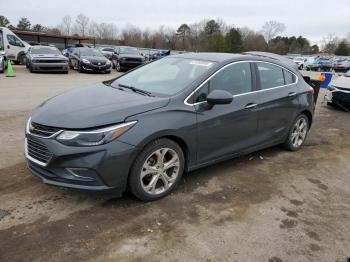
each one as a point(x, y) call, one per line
point(339, 97)
point(57, 67)
point(96, 68)
point(130, 64)
point(96, 168)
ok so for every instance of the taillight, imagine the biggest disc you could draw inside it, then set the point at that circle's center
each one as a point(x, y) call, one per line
point(311, 91)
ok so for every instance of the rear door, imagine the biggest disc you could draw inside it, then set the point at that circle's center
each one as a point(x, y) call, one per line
point(227, 129)
point(278, 100)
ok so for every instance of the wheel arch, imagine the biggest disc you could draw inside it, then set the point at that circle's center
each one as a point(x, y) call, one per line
point(309, 115)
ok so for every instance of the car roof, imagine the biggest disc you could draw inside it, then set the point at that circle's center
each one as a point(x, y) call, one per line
point(230, 57)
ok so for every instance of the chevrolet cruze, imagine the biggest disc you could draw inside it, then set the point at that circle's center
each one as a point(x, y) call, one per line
point(143, 130)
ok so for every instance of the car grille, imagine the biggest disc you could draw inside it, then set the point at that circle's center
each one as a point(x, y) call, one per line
point(38, 151)
point(41, 130)
point(49, 61)
point(101, 63)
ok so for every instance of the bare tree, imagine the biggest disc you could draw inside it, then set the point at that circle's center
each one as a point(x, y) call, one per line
point(82, 23)
point(330, 43)
point(66, 24)
point(271, 28)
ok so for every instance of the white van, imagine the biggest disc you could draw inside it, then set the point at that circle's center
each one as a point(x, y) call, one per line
point(14, 47)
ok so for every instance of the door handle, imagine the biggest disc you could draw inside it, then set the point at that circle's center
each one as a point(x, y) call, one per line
point(292, 94)
point(250, 106)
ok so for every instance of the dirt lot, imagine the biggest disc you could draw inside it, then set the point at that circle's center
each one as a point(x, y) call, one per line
point(272, 205)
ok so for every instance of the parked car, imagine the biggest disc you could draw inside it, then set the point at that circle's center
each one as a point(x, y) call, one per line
point(144, 129)
point(2, 61)
point(14, 47)
point(86, 59)
point(300, 61)
point(342, 65)
point(46, 58)
point(127, 57)
point(108, 52)
point(321, 64)
point(340, 92)
point(68, 51)
point(159, 54)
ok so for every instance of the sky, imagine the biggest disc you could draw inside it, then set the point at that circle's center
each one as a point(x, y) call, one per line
point(309, 18)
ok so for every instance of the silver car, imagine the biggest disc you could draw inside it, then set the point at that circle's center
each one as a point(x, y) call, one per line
point(46, 58)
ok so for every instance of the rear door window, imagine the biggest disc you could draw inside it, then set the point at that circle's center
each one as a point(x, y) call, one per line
point(270, 75)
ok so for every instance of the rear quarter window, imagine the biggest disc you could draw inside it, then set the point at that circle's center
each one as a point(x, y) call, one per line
point(289, 78)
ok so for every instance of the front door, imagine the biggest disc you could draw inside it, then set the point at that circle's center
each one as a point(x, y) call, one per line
point(224, 130)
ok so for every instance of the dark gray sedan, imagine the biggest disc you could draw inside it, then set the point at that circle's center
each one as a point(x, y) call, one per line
point(46, 58)
point(144, 129)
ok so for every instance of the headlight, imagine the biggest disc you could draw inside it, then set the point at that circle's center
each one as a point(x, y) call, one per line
point(108, 62)
point(85, 61)
point(94, 137)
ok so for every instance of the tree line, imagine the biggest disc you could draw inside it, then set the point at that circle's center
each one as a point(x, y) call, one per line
point(206, 35)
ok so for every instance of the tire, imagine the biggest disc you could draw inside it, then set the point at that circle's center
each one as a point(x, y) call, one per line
point(297, 135)
point(80, 69)
point(118, 67)
point(140, 180)
point(30, 68)
point(22, 59)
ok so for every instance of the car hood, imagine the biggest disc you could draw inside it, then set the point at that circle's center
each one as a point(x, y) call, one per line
point(48, 56)
point(93, 106)
point(342, 82)
point(95, 58)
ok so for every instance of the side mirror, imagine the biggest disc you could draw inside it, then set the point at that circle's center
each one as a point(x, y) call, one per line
point(219, 97)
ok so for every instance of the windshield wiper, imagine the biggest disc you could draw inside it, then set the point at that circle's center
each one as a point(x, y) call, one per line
point(136, 90)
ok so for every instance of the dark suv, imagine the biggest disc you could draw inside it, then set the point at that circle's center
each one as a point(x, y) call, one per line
point(144, 129)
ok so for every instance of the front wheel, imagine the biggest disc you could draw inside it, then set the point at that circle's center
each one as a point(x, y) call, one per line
point(157, 170)
point(298, 133)
point(118, 67)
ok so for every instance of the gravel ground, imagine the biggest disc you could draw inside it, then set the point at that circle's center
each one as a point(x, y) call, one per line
point(272, 205)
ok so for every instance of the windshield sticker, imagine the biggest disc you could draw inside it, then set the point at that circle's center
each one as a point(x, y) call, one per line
point(201, 63)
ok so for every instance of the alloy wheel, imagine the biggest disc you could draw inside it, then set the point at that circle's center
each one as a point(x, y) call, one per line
point(299, 132)
point(159, 171)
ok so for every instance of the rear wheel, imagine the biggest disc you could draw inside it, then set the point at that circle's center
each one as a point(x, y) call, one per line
point(157, 170)
point(298, 133)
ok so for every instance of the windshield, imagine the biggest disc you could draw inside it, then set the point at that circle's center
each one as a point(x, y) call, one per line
point(90, 52)
point(129, 50)
point(43, 50)
point(166, 76)
point(108, 49)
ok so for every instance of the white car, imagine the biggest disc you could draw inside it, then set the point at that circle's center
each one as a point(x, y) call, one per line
point(300, 61)
point(340, 92)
